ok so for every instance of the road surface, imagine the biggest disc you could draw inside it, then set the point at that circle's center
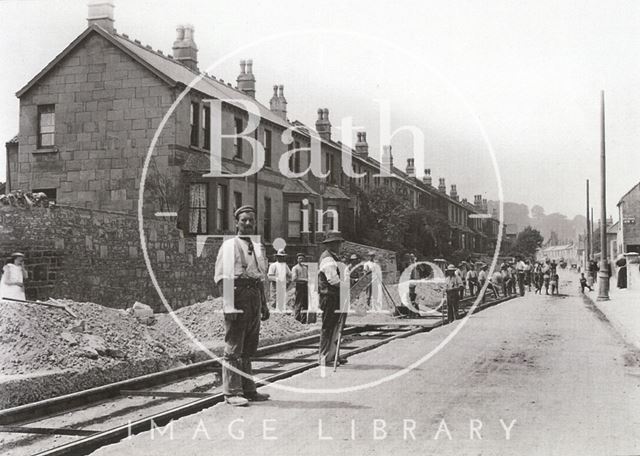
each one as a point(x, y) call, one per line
point(536, 375)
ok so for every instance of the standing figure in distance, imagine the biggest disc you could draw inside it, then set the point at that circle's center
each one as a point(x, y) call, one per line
point(329, 291)
point(300, 277)
point(13, 276)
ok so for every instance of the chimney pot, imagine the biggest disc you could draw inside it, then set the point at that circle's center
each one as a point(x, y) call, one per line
point(323, 125)
point(246, 81)
point(278, 103)
point(184, 48)
point(362, 148)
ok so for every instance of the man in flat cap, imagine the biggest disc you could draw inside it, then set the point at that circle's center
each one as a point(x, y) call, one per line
point(329, 290)
point(241, 270)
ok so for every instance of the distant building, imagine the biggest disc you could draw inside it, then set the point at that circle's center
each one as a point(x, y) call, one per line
point(567, 252)
point(628, 232)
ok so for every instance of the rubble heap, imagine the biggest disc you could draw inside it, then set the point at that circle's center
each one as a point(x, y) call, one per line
point(35, 339)
point(18, 198)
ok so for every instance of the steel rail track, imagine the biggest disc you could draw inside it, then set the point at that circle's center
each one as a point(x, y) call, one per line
point(16, 419)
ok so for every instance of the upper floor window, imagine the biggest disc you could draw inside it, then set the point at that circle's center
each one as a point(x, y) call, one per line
point(195, 123)
point(294, 160)
point(237, 142)
point(46, 125)
point(267, 148)
point(206, 127)
point(266, 232)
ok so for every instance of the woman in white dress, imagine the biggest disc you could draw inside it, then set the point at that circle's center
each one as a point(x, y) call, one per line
point(13, 276)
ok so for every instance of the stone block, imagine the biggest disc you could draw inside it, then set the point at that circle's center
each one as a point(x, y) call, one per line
point(134, 113)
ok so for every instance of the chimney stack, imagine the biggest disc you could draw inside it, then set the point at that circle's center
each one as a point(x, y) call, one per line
point(101, 13)
point(362, 148)
point(246, 81)
point(485, 206)
point(427, 177)
point(184, 48)
point(477, 202)
point(454, 192)
point(323, 126)
point(441, 186)
point(278, 102)
point(411, 170)
point(387, 158)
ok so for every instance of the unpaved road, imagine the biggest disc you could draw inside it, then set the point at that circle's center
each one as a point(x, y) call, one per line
point(551, 364)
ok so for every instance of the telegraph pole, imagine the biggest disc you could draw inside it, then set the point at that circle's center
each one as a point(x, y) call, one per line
point(603, 274)
point(587, 247)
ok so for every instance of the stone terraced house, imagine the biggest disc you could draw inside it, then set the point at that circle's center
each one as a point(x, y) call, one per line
point(87, 121)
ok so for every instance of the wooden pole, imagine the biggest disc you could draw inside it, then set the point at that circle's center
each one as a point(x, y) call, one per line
point(588, 243)
point(603, 274)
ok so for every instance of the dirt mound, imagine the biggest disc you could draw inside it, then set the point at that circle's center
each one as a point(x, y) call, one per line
point(206, 322)
point(34, 338)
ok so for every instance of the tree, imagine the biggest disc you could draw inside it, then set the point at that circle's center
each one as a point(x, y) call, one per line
point(387, 220)
point(427, 233)
point(384, 218)
point(527, 242)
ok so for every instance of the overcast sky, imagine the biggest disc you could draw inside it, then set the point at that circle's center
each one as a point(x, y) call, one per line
point(528, 73)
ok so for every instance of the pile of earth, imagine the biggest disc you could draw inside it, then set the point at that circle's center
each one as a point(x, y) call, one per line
point(205, 322)
point(36, 339)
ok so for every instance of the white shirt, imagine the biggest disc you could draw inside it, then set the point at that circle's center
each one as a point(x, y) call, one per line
point(329, 267)
point(279, 272)
point(483, 275)
point(373, 268)
point(235, 260)
point(453, 282)
point(520, 266)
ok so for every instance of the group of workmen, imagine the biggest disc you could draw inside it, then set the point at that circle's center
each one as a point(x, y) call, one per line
point(240, 272)
point(512, 278)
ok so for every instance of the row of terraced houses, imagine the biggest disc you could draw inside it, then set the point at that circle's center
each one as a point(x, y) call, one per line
point(87, 120)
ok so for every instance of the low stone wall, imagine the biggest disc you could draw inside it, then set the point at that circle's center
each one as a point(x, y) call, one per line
point(91, 255)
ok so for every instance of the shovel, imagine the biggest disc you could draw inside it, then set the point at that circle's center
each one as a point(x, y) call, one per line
point(54, 303)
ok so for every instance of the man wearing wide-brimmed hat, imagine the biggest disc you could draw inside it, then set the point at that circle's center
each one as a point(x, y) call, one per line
point(453, 285)
point(329, 290)
point(279, 276)
point(240, 273)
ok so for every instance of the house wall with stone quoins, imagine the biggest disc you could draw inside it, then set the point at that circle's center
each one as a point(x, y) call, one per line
point(629, 227)
point(107, 108)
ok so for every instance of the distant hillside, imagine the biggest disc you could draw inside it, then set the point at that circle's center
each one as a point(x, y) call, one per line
point(566, 230)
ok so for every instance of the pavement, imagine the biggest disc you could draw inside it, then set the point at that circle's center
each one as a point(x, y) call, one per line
point(537, 375)
point(622, 310)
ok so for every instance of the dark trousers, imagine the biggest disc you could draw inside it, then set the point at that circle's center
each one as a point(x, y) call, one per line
point(331, 322)
point(302, 302)
point(453, 296)
point(474, 287)
point(242, 331)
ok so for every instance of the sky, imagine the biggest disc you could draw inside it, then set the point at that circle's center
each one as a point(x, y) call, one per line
point(510, 81)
